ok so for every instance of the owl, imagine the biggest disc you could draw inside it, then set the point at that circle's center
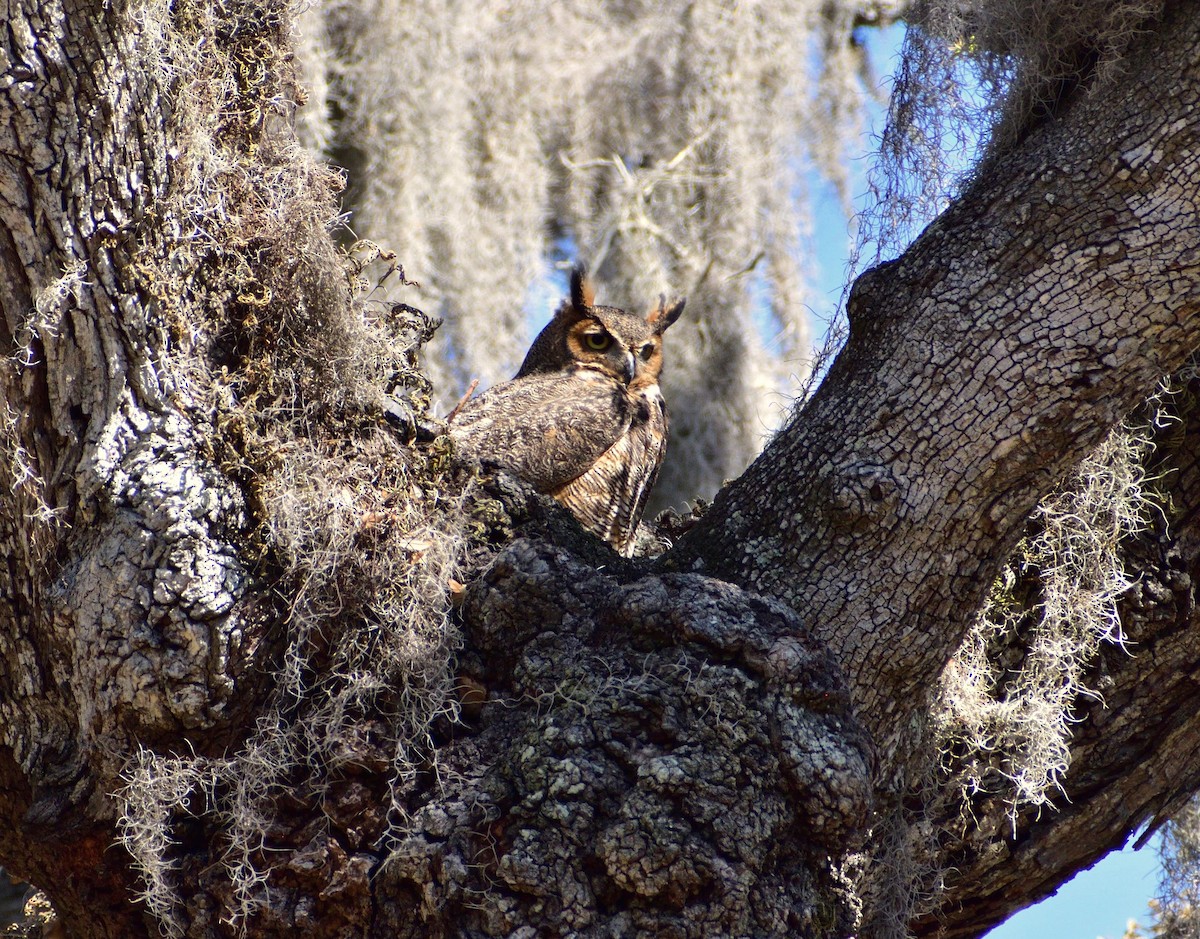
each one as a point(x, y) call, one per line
point(583, 420)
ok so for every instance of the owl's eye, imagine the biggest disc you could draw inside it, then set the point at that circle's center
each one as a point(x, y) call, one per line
point(646, 351)
point(597, 341)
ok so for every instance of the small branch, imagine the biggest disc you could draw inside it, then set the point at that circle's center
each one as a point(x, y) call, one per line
point(461, 401)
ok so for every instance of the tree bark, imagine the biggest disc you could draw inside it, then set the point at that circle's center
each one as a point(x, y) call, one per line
point(125, 542)
point(1135, 748)
point(658, 756)
point(1037, 311)
point(84, 152)
point(668, 750)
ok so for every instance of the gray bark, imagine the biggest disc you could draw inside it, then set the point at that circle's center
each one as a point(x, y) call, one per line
point(670, 750)
point(1135, 750)
point(98, 641)
point(658, 756)
point(1037, 311)
point(122, 617)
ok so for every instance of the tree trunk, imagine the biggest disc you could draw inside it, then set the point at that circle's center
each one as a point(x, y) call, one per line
point(220, 562)
point(84, 151)
point(125, 619)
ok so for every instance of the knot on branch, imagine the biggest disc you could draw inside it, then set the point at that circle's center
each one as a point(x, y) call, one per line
point(863, 492)
point(866, 307)
point(148, 600)
point(663, 754)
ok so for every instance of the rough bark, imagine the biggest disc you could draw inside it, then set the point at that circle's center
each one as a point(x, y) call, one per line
point(640, 750)
point(114, 599)
point(1135, 749)
point(123, 539)
point(1038, 310)
point(658, 756)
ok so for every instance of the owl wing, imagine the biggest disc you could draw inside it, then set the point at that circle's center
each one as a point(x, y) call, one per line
point(608, 498)
point(546, 429)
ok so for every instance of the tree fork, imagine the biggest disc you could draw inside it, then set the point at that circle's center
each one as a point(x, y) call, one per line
point(586, 794)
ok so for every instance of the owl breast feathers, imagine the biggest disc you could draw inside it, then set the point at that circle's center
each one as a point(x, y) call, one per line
point(583, 420)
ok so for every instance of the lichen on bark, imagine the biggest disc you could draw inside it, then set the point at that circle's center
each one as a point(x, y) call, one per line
point(656, 754)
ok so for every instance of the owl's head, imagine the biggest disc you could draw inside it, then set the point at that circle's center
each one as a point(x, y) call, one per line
point(623, 345)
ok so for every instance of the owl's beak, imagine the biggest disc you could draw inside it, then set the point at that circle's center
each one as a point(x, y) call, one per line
point(628, 367)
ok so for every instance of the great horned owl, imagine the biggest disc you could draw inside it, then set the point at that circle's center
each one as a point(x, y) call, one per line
point(583, 420)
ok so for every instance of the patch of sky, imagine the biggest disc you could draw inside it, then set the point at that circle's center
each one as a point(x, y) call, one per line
point(1098, 902)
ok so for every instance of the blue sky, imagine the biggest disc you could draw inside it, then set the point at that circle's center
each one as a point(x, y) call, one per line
point(1097, 902)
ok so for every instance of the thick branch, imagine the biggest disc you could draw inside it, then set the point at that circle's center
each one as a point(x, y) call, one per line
point(980, 367)
point(1135, 749)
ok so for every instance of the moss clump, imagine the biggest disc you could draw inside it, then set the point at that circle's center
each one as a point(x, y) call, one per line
point(310, 397)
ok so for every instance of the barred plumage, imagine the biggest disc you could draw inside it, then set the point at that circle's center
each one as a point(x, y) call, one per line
point(583, 420)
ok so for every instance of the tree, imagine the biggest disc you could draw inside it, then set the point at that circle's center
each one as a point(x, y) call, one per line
point(234, 557)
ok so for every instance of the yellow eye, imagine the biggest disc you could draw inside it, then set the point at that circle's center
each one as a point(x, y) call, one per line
point(597, 341)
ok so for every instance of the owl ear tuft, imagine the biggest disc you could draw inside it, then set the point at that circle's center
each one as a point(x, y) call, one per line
point(582, 294)
point(663, 316)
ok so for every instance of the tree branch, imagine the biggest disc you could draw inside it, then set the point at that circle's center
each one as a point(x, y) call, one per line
point(1135, 756)
point(984, 363)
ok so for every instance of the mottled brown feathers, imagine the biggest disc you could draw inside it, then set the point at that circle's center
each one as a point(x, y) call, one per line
point(583, 420)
